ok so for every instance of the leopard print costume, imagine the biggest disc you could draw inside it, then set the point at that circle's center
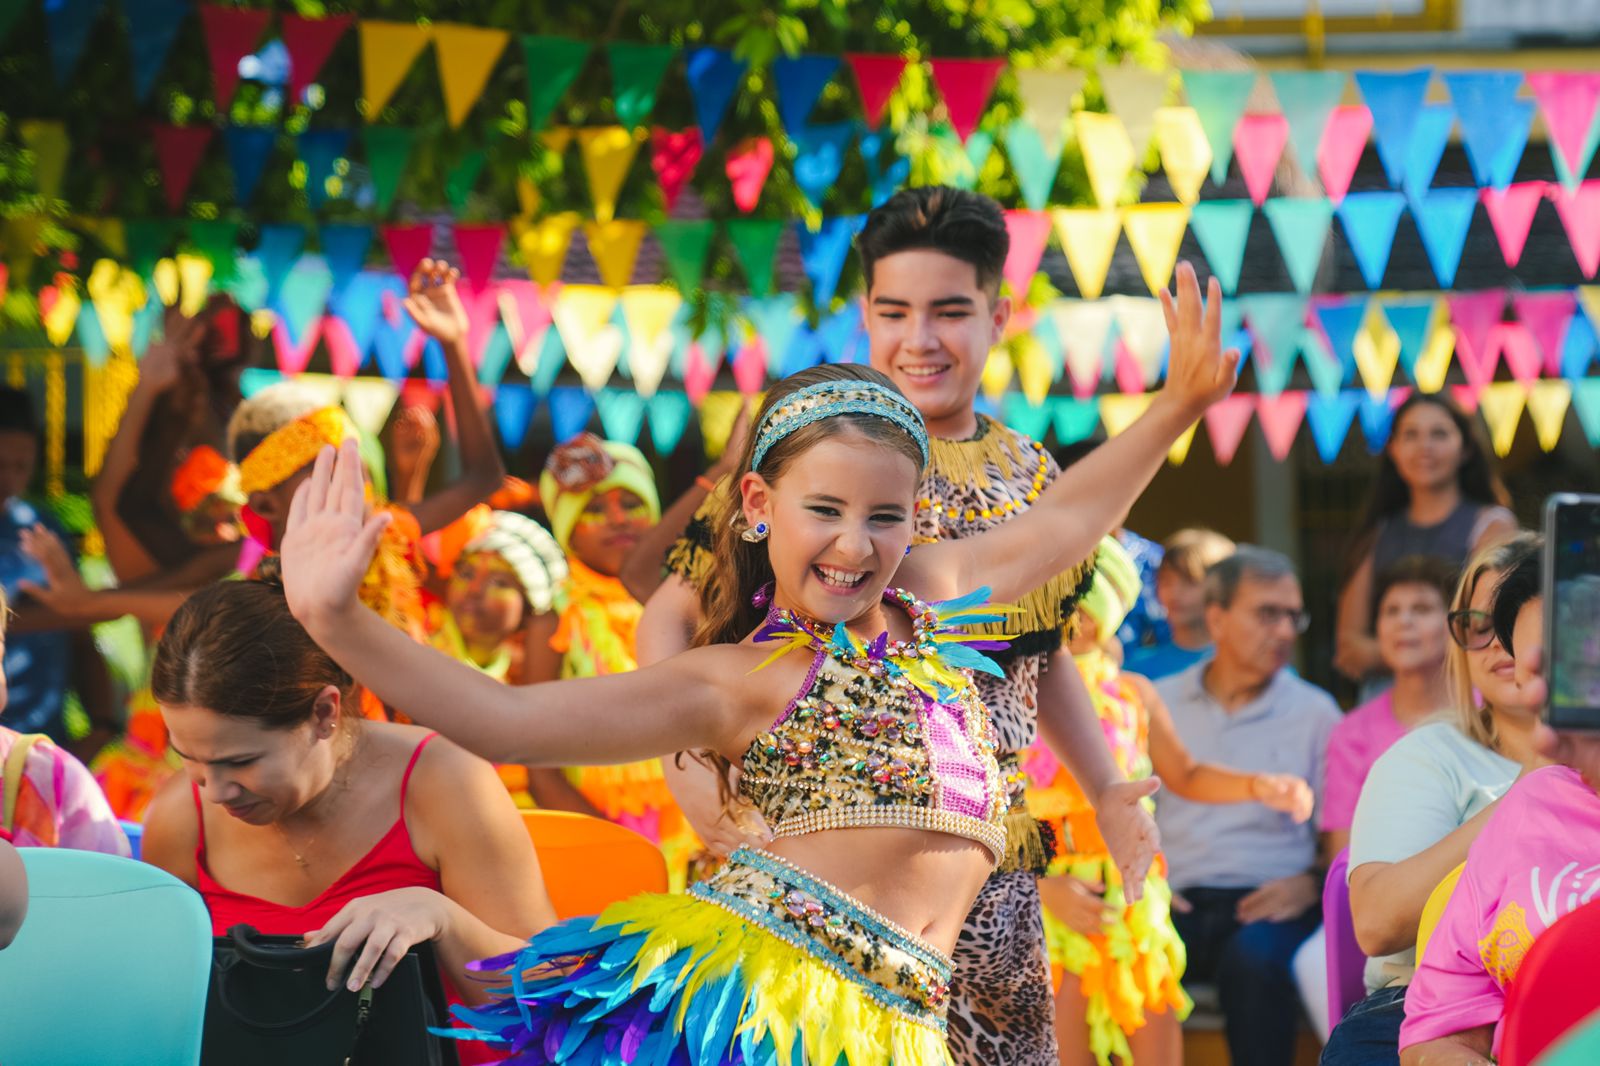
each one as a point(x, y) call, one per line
point(1002, 1010)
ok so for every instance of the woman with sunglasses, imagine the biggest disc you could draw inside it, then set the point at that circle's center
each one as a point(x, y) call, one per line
point(1425, 801)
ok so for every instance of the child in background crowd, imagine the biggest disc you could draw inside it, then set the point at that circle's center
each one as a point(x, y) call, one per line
point(1180, 586)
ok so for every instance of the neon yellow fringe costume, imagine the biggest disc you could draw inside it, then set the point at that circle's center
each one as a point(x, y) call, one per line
point(1134, 966)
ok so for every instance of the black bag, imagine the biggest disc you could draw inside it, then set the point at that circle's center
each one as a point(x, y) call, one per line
point(269, 1004)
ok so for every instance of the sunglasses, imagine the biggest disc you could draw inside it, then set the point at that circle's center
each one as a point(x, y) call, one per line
point(1471, 630)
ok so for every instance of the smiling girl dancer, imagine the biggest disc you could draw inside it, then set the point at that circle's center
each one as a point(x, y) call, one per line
point(869, 754)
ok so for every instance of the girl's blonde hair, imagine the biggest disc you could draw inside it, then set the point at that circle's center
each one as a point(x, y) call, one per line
point(1467, 713)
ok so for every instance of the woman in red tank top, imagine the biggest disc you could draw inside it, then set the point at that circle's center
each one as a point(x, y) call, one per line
point(300, 817)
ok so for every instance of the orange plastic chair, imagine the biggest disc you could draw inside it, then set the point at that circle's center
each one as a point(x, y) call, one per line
point(589, 863)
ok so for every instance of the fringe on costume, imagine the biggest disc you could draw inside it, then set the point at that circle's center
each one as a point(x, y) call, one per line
point(777, 978)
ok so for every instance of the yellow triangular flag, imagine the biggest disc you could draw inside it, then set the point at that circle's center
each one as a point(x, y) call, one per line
point(556, 138)
point(1589, 297)
point(1547, 406)
point(1155, 231)
point(544, 246)
point(1046, 97)
point(325, 387)
point(164, 276)
point(1089, 237)
point(615, 247)
point(369, 401)
point(1119, 410)
point(1107, 154)
point(110, 232)
point(194, 275)
point(648, 311)
point(1082, 326)
point(1377, 354)
point(528, 198)
point(19, 241)
point(608, 152)
point(1501, 404)
point(1035, 369)
point(387, 51)
point(1433, 365)
point(717, 412)
point(1180, 447)
point(997, 373)
point(262, 322)
point(1133, 94)
point(1185, 152)
point(582, 316)
point(116, 294)
point(466, 56)
point(1142, 325)
point(61, 318)
point(48, 141)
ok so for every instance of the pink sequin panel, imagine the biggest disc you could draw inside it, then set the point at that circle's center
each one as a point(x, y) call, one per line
point(957, 766)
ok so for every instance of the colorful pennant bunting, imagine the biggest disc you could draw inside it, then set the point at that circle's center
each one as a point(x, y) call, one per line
point(1222, 228)
point(1394, 100)
point(1133, 93)
point(819, 157)
point(1154, 232)
point(1580, 216)
point(965, 86)
point(179, 150)
point(824, 251)
point(876, 77)
point(1443, 217)
point(755, 246)
point(1258, 143)
point(714, 76)
point(608, 153)
point(799, 81)
point(615, 247)
point(1089, 238)
point(309, 42)
point(1028, 230)
point(231, 34)
point(1369, 220)
point(1494, 123)
point(747, 167)
point(1226, 423)
point(1330, 418)
point(636, 72)
point(1219, 97)
point(1570, 103)
point(1343, 140)
point(558, 61)
point(1185, 152)
point(1300, 224)
point(152, 27)
point(1307, 98)
point(1107, 154)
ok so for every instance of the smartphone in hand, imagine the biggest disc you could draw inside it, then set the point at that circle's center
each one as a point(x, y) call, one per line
point(1571, 590)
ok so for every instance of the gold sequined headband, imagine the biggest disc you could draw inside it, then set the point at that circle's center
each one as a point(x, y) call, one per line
point(289, 449)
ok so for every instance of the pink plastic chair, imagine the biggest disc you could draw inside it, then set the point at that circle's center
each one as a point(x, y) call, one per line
point(1346, 961)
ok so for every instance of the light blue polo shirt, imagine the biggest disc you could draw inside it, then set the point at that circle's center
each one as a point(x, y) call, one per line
point(1282, 731)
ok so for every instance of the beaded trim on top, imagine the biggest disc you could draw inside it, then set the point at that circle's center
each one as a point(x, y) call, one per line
point(829, 398)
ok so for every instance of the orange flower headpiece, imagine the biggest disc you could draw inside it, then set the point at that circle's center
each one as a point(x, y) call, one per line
point(289, 449)
point(204, 473)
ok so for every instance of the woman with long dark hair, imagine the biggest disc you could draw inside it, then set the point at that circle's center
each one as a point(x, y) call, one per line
point(1436, 494)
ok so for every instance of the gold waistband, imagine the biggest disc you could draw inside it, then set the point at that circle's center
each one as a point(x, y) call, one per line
point(988, 834)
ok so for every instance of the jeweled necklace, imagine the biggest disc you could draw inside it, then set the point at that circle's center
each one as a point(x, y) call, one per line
point(869, 658)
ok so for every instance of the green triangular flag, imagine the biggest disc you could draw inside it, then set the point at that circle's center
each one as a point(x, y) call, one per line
point(685, 244)
point(755, 242)
point(636, 71)
point(1300, 224)
point(149, 239)
point(1034, 163)
point(462, 177)
point(552, 63)
point(1222, 228)
point(388, 150)
point(217, 241)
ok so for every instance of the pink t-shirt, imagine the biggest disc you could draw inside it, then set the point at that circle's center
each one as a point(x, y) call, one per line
point(1537, 859)
point(1353, 746)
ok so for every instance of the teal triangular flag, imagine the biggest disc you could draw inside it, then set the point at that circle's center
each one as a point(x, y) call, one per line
point(552, 357)
point(1429, 136)
point(1369, 220)
point(1027, 418)
point(1276, 319)
point(1307, 98)
point(1033, 163)
point(279, 247)
point(1222, 227)
point(1329, 418)
point(1341, 321)
point(1219, 98)
point(344, 247)
point(621, 414)
point(1443, 217)
point(1300, 224)
point(669, 417)
point(1075, 419)
point(1494, 123)
point(496, 356)
point(1395, 99)
point(303, 297)
point(514, 404)
point(145, 321)
point(96, 349)
point(1586, 400)
point(1411, 321)
point(823, 253)
point(776, 320)
point(1326, 373)
point(252, 379)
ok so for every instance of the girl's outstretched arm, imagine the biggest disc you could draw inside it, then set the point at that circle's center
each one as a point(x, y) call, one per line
point(692, 701)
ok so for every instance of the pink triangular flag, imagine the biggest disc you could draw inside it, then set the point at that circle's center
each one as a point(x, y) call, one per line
point(231, 34)
point(1029, 231)
point(342, 354)
point(1568, 100)
point(292, 358)
point(1519, 350)
point(748, 166)
point(179, 150)
point(1477, 359)
point(1258, 143)
point(1280, 418)
point(1546, 316)
point(408, 246)
point(1466, 397)
point(1580, 216)
point(479, 248)
point(481, 301)
point(1511, 214)
point(699, 374)
point(1129, 374)
point(966, 85)
point(526, 315)
point(1226, 422)
point(876, 76)
point(310, 42)
point(1343, 141)
point(750, 367)
point(1473, 314)
point(673, 156)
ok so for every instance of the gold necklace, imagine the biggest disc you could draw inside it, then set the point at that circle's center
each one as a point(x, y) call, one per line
point(343, 785)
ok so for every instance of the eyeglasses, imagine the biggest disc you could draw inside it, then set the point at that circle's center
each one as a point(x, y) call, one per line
point(1268, 617)
point(1471, 630)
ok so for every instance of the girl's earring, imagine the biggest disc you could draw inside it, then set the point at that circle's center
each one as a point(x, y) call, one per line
point(756, 533)
point(908, 549)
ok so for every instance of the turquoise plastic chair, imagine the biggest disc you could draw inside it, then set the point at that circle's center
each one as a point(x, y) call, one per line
point(110, 967)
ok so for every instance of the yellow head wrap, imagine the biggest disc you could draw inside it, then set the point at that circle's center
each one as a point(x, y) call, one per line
point(291, 448)
point(1114, 590)
point(585, 467)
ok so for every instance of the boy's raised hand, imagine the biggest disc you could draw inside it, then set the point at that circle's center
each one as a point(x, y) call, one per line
point(433, 303)
point(1199, 371)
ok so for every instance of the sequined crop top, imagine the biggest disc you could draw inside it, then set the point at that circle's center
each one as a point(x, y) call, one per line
point(890, 733)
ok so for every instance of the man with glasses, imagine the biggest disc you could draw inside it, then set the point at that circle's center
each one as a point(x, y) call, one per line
point(1250, 878)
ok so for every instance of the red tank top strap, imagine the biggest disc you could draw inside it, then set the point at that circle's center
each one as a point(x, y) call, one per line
point(199, 821)
point(405, 779)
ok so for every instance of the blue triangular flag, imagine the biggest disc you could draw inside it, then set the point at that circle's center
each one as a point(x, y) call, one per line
point(359, 305)
point(1300, 224)
point(1329, 418)
point(1369, 220)
point(819, 156)
point(279, 248)
point(389, 346)
point(1428, 140)
point(1443, 217)
point(1075, 419)
point(1586, 402)
point(67, 24)
point(800, 80)
point(96, 349)
point(621, 414)
point(249, 147)
point(344, 246)
point(887, 170)
point(841, 336)
point(1411, 321)
point(497, 353)
point(570, 411)
point(434, 367)
point(1394, 98)
point(514, 405)
point(1222, 227)
point(1341, 322)
point(321, 150)
point(1234, 335)
point(1219, 98)
point(152, 27)
point(669, 417)
point(1027, 418)
point(1377, 417)
point(714, 77)
point(804, 352)
point(1494, 123)
point(1307, 98)
point(776, 319)
point(823, 253)
point(1579, 349)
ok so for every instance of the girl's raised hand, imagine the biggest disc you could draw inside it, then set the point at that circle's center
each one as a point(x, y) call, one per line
point(329, 539)
point(434, 304)
point(1199, 371)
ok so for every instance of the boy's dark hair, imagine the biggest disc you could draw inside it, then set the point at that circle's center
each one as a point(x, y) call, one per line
point(1522, 581)
point(963, 225)
point(1425, 570)
point(16, 412)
